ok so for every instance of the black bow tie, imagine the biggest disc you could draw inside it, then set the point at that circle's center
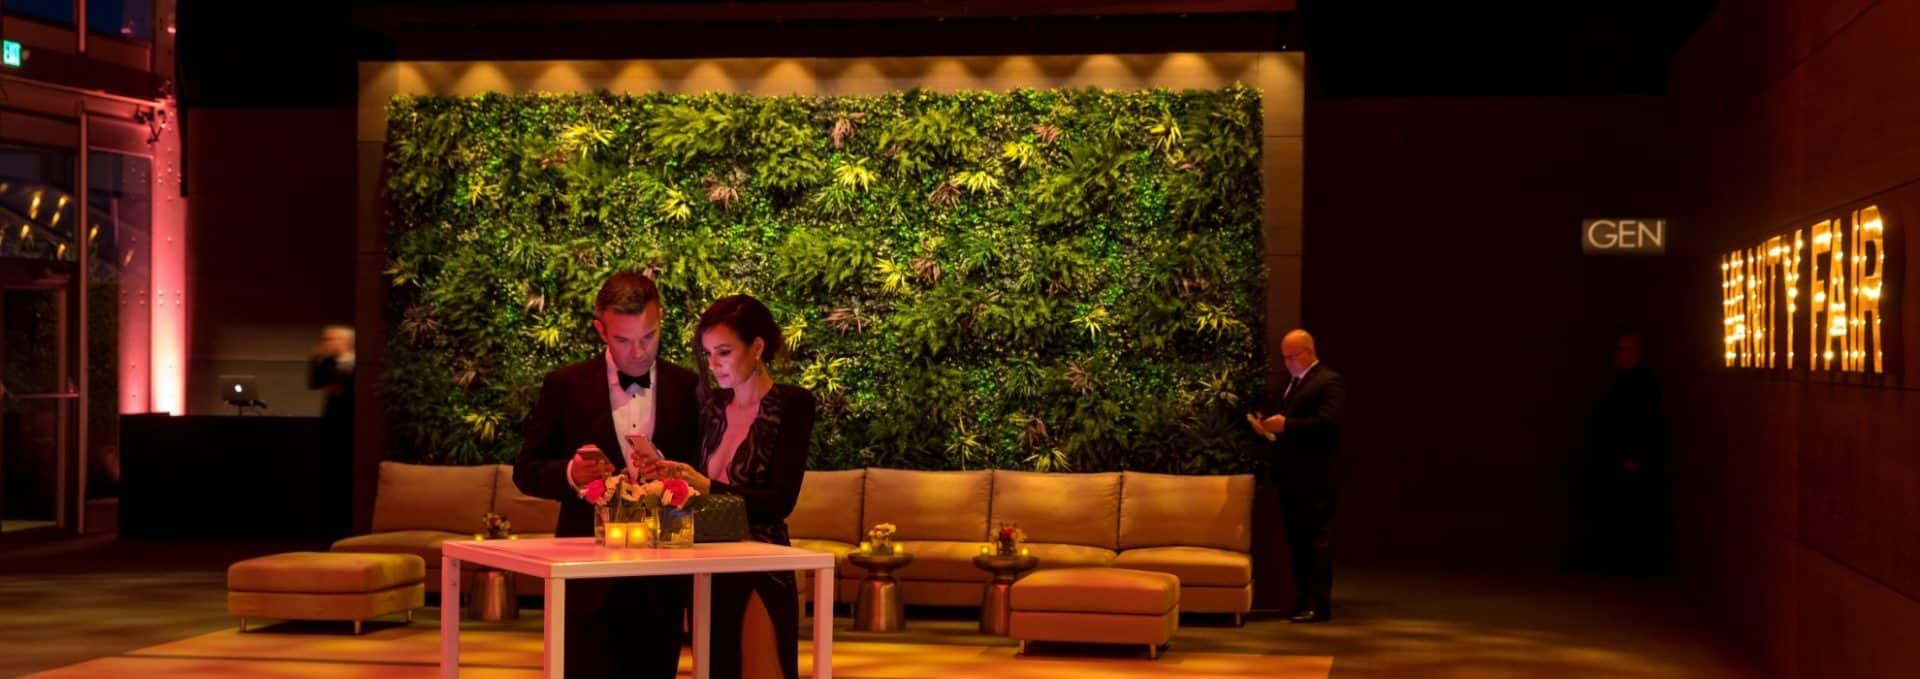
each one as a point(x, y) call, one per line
point(627, 381)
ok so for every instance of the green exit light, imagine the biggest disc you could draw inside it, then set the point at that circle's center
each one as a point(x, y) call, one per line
point(10, 53)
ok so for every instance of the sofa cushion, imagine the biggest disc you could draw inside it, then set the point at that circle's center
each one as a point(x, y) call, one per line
point(945, 506)
point(1196, 566)
point(1073, 509)
point(433, 497)
point(325, 573)
point(422, 543)
point(1070, 556)
point(527, 513)
point(1096, 590)
point(829, 506)
point(1165, 510)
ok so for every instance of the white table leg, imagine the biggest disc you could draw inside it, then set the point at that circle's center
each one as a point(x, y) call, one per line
point(555, 624)
point(702, 618)
point(449, 617)
point(823, 623)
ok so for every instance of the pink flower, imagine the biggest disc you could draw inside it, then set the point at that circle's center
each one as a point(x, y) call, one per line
point(596, 491)
point(674, 493)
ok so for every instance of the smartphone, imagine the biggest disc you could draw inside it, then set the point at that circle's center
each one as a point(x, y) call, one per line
point(634, 440)
point(593, 453)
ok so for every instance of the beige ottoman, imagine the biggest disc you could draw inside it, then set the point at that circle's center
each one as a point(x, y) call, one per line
point(326, 586)
point(1096, 605)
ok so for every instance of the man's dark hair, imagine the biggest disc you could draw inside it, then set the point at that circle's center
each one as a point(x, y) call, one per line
point(627, 292)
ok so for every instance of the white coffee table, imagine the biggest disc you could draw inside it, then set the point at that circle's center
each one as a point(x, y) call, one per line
point(558, 560)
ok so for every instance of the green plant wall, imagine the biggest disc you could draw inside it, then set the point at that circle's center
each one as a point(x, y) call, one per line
point(1062, 280)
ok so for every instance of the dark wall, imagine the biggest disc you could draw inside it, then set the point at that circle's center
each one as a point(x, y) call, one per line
point(1801, 494)
point(270, 238)
point(1444, 279)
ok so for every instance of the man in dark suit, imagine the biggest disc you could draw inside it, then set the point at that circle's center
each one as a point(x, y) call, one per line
point(620, 401)
point(1304, 465)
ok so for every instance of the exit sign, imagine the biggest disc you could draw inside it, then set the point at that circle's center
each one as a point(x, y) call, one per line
point(10, 53)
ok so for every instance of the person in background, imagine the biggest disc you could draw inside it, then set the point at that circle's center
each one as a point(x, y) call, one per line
point(623, 399)
point(754, 438)
point(1621, 515)
point(1304, 461)
point(330, 368)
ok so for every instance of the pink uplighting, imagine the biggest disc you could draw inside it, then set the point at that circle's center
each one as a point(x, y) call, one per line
point(169, 298)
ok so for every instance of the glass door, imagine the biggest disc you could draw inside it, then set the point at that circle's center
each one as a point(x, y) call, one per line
point(38, 414)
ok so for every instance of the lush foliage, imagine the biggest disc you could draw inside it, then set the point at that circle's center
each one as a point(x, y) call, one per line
point(1053, 280)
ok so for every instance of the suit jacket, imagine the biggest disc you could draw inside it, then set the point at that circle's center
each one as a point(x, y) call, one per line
point(1307, 453)
point(575, 409)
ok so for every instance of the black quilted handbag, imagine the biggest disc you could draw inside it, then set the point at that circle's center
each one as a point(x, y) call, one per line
point(718, 518)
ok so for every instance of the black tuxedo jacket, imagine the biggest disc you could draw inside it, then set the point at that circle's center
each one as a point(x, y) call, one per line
point(575, 409)
point(1307, 453)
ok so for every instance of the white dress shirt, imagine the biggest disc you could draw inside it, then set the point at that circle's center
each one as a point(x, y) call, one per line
point(633, 408)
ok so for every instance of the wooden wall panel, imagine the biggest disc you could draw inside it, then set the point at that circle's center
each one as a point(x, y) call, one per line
point(1801, 493)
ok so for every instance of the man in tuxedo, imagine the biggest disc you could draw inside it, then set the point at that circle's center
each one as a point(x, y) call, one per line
point(1304, 465)
point(620, 398)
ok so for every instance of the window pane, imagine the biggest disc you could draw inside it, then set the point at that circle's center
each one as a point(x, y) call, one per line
point(51, 11)
point(36, 210)
point(129, 19)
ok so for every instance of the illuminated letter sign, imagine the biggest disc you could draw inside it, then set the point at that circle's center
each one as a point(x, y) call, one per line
point(1760, 291)
point(1623, 236)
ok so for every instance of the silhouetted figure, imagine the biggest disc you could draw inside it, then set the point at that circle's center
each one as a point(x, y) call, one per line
point(330, 368)
point(1621, 515)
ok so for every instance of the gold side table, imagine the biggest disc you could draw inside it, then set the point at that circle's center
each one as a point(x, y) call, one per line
point(879, 607)
point(996, 597)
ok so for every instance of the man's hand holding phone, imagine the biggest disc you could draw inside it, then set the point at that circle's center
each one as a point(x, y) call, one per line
point(589, 464)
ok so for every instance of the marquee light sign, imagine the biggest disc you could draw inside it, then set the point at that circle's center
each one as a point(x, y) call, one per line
point(1846, 262)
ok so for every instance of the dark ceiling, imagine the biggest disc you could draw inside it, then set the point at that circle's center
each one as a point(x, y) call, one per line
point(303, 54)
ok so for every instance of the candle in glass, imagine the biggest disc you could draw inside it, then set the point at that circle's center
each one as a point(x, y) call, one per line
point(616, 535)
point(866, 547)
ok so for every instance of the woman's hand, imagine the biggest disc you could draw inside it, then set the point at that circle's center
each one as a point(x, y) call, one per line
point(668, 469)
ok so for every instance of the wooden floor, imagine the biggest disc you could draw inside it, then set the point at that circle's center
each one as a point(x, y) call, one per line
point(158, 610)
point(497, 650)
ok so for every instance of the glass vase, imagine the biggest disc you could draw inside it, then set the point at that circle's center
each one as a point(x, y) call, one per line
point(600, 520)
point(675, 528)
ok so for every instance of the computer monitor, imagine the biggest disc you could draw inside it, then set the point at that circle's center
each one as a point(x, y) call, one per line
point(239, 390)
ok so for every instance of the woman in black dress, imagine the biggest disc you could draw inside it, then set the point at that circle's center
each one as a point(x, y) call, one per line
point(754, 436)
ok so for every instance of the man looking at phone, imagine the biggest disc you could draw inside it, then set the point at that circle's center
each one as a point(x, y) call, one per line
point(1304, 465)
point(627, 401)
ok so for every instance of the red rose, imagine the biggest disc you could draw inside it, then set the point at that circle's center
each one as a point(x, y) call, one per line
point(595, 491)
point(674, 493)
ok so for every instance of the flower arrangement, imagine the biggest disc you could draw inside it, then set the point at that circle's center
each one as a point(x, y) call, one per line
point(497, 526)
point(1006, 540)
point(880, 538)
point(625, 498)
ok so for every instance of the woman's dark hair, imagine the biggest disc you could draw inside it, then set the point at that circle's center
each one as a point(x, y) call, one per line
point(747, 317)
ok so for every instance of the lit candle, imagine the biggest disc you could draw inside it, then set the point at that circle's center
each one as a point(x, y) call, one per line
point(1023, 551)
point(866, 547)
point(899, 548)
point(986, 549)
point(616, 535)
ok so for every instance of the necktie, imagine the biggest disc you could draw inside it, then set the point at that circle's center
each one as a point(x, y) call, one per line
point(627, 381)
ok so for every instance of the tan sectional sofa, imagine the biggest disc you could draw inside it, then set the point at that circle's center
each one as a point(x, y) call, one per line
point(1195, 527)
point(418, 507)
point(1198, 528)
